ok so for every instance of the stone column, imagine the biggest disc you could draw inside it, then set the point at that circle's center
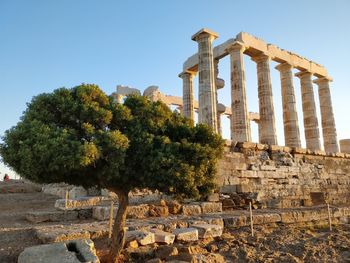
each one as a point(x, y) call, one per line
point(187, 94)
point(290, 115)
point(207, 112)
point(330, 141)
point(345, 145)
point(219, 84)
point(312, 135)
point(267, 126)
point(118, 98)
point(240, 126)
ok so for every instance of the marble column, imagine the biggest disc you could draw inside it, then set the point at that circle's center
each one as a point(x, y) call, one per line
point(312, 134)
point(187, 94)
point(240, 126)
point(290, 115)
point(207, 100)
point(330, 141)
point(267, 126)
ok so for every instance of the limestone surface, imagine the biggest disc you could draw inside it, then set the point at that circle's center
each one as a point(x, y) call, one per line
point(77, 251)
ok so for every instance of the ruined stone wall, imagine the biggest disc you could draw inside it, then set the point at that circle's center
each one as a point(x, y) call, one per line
point(282, 177)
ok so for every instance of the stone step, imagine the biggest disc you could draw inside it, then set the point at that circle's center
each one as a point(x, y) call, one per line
point(79, 202)
point(51, 216)
point(133, 211)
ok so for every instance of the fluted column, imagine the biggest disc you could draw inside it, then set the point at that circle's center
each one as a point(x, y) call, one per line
point(187, 94)
point(267, 126)
point(290, 115)
point(330, 141)
point(206, 88)
point(312, 134)
point(240, 126)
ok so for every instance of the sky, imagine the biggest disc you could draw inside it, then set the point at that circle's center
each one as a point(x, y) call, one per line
point(63, 43)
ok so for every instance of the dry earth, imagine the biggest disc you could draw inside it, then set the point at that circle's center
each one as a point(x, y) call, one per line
point(272, 244)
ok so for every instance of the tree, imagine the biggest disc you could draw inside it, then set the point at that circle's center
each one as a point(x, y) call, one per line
point(81, 136)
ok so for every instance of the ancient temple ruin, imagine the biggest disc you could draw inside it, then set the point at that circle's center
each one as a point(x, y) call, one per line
point(205, 63)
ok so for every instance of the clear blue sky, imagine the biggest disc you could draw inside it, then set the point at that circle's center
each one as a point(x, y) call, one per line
point(49, 44)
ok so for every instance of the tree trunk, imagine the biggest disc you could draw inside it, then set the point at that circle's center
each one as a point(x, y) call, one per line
point(118, 234)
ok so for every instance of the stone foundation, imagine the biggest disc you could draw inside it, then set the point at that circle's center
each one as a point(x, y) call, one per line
point(283, 177)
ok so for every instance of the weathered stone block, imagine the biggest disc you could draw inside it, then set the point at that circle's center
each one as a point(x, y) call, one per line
point(138, 211)
point(211, 207)
point(215, 197)
point(208, 230)
point(61, 253)
point(162, 236)
point(141, 236)
point(191, 210)
point(80, 202)
point(186, 234)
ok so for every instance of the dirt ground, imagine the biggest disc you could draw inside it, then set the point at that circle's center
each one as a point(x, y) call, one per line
point(273, 244)
point(15, 231)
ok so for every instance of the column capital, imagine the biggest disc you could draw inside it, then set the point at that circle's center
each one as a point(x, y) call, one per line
point(284, 67)
point(260, 58)
point(221, 108)
point(303, 74)
point(321, 80)
point(187, 73)
point(236, 46)
point(205, 33)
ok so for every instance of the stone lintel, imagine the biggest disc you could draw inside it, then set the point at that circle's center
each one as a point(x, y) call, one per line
point(205, 31)
point(284, 67)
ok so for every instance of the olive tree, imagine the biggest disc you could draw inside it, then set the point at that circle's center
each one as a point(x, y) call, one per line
point(81, 136)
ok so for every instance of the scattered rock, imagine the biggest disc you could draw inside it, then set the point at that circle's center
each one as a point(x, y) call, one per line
point(141, 236)
point(164, 252)
point(162, 236)
point(208, 230)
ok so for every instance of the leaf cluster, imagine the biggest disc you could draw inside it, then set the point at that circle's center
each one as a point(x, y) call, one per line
point(81, 136)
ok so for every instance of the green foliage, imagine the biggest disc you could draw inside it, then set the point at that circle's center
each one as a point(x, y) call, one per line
point(81, 136)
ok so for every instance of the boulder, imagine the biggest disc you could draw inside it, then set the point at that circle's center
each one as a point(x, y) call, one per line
point(77, 251)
